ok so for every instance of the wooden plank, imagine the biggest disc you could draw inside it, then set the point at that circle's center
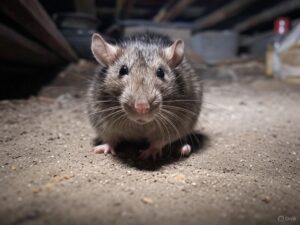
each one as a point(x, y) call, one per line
point(193, 12)
point(176, 10)
point(163, 11)
point(128, 8)
point(268, 14)
point(86, 6)
point(109, 11)
point(31, 16)
point(222, 13)
point(123, 9)
point(17, 48)
point(118, 9)
point(190, 12)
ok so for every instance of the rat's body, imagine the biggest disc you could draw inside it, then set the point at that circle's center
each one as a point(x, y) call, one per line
point(145, 90)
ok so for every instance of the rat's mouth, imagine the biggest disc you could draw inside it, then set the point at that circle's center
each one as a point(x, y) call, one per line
point(141, 121)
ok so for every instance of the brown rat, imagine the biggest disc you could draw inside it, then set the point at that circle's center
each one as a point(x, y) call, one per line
point(146, 89)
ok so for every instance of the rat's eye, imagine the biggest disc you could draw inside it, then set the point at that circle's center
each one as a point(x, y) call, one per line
point(160, 73)
point(123, 71)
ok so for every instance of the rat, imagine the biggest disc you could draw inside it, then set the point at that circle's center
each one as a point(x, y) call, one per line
point(145, 89)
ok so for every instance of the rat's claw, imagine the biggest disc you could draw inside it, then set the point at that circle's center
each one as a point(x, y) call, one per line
point(185, 150)
point(104, 149)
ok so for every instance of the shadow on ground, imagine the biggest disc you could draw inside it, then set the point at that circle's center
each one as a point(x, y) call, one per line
point(128, 152)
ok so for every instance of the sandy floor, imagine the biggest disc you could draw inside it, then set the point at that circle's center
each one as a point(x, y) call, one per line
point(247, 170)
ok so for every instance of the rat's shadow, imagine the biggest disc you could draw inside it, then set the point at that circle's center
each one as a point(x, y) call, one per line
point(128, 152)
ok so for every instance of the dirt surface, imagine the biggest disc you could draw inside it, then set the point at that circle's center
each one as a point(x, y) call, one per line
point(247, 170)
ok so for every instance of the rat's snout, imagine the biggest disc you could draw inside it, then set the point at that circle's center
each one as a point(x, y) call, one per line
point(141, 107)
point(141, 104)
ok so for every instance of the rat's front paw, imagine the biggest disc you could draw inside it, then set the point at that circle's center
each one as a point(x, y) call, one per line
point(104, 149)
point(185, 150)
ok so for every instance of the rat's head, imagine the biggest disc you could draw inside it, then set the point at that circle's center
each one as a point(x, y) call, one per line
point(140, 74)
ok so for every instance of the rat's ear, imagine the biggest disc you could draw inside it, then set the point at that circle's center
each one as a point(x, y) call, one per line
point(104, 52)
point(175, 53)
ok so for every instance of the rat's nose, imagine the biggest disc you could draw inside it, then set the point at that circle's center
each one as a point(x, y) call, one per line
point(141, 107)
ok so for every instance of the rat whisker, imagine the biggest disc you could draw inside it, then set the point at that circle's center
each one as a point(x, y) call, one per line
point(105, 110)
point(160, 128)
point(176, 117)
point(118, 120)
point(162, 121)
point(104, 101)
point(176, 108)
point(173, 126)
point(109, 116)
point(183, 100)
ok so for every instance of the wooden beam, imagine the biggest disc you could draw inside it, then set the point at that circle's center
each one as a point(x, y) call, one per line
point(109, 11)
point(128, 8)
point(193, 12)
point(189, 12)
point(18, 49)
point(176, 10)
point(86, 6)
point(222, 13)
point(31, 16)
point(119, 8)
point(163, 11)
point(123, 9)
point(268, 14)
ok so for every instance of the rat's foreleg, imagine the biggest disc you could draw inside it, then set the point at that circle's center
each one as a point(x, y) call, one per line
point(106, 147)
point(154, 151)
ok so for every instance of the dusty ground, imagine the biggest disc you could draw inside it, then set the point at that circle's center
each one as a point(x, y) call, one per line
point(247, 170)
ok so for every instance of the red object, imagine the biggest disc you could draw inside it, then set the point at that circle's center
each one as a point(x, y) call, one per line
point(282, 25)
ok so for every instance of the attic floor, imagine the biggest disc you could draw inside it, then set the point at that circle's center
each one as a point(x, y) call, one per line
point(246, 172)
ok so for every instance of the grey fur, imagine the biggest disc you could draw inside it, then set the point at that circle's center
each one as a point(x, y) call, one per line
point(182, 88)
